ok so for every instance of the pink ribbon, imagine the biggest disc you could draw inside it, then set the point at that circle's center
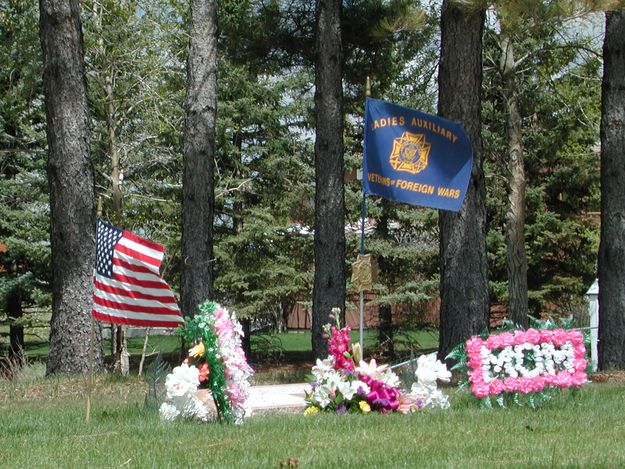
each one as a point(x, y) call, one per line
point(380, 396)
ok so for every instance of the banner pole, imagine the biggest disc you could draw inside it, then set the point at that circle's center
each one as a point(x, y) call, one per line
point(363, 214)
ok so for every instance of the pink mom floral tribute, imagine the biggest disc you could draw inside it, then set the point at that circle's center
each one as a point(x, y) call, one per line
point(532, 363)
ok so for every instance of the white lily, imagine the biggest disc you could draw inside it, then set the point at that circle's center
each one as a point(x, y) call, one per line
point(372, 369)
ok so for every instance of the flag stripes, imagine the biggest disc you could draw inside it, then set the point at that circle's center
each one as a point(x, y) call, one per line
point(133, 294)
point(134, 319)
point(137, 306)
point(138, 257)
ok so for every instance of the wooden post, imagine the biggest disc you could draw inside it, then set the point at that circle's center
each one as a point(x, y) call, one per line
point(145, 346)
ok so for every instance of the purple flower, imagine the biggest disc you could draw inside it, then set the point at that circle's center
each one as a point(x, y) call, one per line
point(381, 403)
point(341, 409)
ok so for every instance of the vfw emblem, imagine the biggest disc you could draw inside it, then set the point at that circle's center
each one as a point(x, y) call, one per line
point(410, 153)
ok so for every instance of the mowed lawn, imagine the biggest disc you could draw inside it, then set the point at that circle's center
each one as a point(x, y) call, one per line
point(299, 341)
point(292, 341)
point(42, 424)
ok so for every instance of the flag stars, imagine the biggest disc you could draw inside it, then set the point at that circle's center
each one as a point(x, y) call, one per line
point(106, 239)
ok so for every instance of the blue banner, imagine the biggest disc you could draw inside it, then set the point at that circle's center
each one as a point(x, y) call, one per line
point(415, 158)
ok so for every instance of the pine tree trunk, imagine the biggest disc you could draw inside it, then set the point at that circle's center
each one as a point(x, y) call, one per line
point(329, 282)
point(464, 272)
point(246, 340)
point(612, 244)
point(515, 218)
point(199, 153)
point(72, 192)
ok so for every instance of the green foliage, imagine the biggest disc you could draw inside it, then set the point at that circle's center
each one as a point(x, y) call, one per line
point(407, 253)
point(264, 173)
point(141, 46)
point(265, 167)
point(559, 96)
point(24, 208)
point(135, 60)
point(135, 56)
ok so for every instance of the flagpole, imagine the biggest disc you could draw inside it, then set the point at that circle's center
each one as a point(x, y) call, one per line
point(363, 212)
point(363, 215)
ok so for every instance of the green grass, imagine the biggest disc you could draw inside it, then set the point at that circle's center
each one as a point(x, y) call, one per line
point(272, 343)
point(156, 343)
point(294, 341)
point(42, 424)
point(301, 341)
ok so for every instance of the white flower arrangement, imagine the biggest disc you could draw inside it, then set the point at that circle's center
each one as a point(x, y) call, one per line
point(181, 385)
point(330, 382)
point(429, 371)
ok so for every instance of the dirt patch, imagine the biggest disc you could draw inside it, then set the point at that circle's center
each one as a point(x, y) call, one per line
point(73, 387)
point(608, 377)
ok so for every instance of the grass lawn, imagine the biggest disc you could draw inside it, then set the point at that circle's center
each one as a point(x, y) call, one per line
point(271, 344)
point(292, 341)
point(42, 424)
point(301, 340)
point(283, 358)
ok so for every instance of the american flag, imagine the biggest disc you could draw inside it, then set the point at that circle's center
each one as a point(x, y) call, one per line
point(128, 286)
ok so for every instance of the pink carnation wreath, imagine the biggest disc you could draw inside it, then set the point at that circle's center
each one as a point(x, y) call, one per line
point(498, 364)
